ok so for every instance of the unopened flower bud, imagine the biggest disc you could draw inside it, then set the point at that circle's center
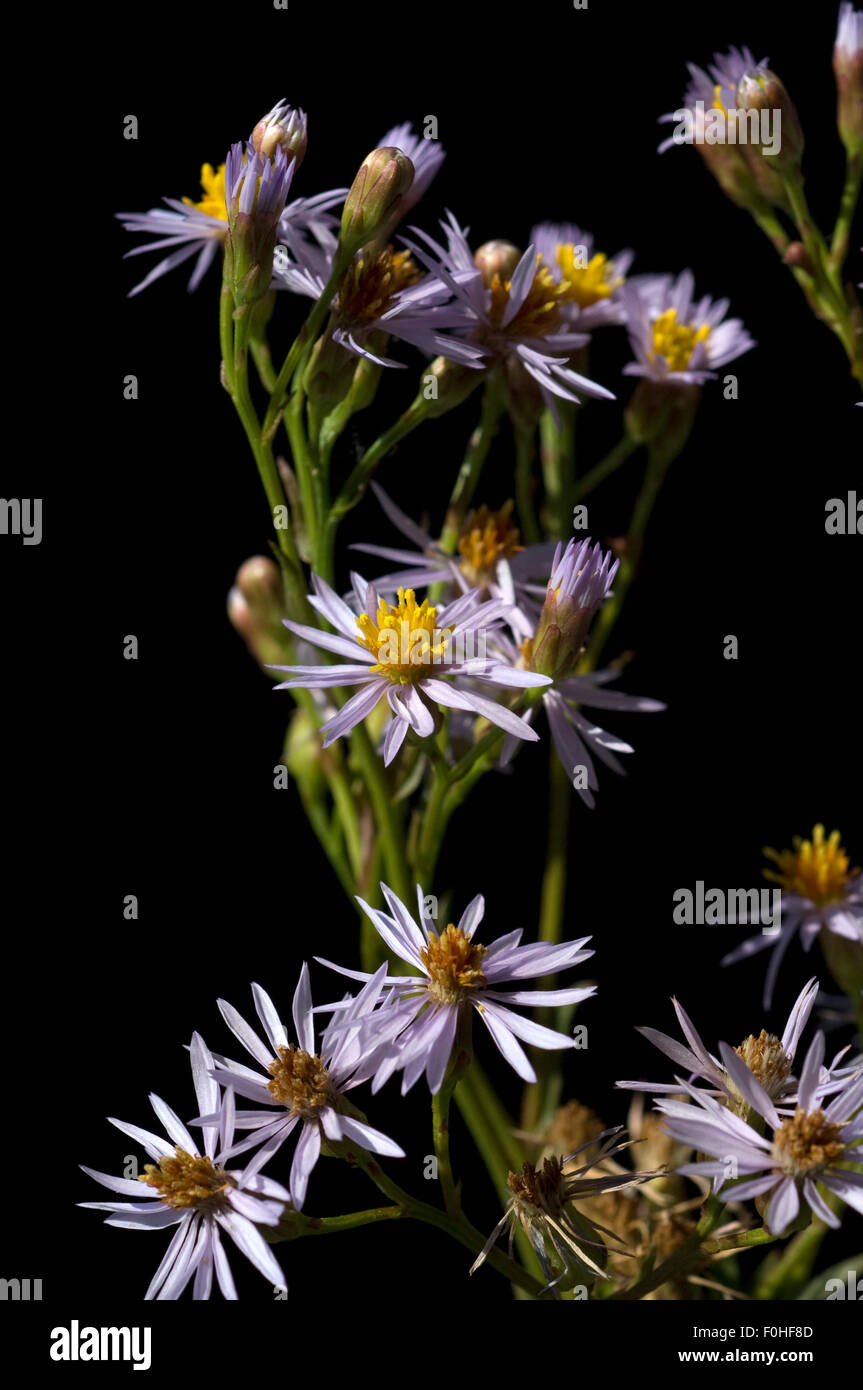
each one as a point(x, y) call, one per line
point(256, 190)
point(780, 136)
point(445, 385)
point(375, 196)
point(303, 754)
point(285, 128)
point(581, 576)
point(256, 608)
point(497, 258)
point(848, 67)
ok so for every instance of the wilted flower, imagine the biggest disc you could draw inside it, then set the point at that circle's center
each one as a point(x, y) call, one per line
point(542, 1200)
point(196, 1193)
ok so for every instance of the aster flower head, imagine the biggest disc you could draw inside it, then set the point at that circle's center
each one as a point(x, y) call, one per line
point(519, 313)
point(821, 892)
point(782, 1166)
point(412, 655)
point(489, 558)
point(591, 282)
point(678, 342)
point(542, 1204)
point(415, 1028)
point(767, 1057)
point(711, 92)
point(304, 1085)
point(425, 154)
point(196, 1193)
point(580, 579)
point(383, 293)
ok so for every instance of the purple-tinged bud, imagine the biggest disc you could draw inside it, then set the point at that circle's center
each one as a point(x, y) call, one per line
point(284, 127)
point(779, 135)
point(256, 190)
point(375, 196)
point(848, 67)
point(581, 577)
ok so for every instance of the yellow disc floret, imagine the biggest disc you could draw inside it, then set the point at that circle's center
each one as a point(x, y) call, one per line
point(454, 965)
point(675, 341)
point(586, 284)
point(372, 282)
point(187, 1180)
point(807, 1140)
point(213, 201)
point(818, 869)
point(486, 537)
point(404, 640)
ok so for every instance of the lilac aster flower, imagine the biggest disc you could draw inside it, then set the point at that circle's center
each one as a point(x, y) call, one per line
point(383, 293)
point(592, 281)
point(784, 1166)
point(489, 558)
point(517, 310)
point(849, 31)
point(819, 890)
point(414, 1029)
point(186, 228)
point(715, 90)
point(581, 578)
point(769, 1058)
point(675, 341)
point(409, 654)
point(195, 1193)
point(306, 1086)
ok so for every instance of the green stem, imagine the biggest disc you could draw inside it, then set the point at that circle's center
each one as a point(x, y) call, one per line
point(475, 456)
point(557, 455)
point(617, 456)
point(847, 206)
point(305, 339)
point(525, 453)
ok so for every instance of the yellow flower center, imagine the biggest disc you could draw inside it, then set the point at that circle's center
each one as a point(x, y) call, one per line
point(486, 537)
point(767, 1060)
point(540, 312)
point(675, 341)
point(372, 282)
point(454, 965)
point(187, 1180)
point(818, 869)
point(807, 1141)
point(213, 201)
point(586, 284)
point(300, 1080)
point(404, 640)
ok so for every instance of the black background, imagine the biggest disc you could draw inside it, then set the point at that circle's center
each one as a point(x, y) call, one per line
point(155, 777)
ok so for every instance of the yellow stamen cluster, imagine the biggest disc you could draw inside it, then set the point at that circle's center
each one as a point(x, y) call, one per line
point(675, 341)
point(807, 1141)
point(540, 312)
point(372, 282)
point(769, 1063)
point(404, 640)
point(186, 1180)
point(818, 869)
point(213, 201)
point(300, 1080)
point(454, 965)
point(486, 537)
point(586, 284)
